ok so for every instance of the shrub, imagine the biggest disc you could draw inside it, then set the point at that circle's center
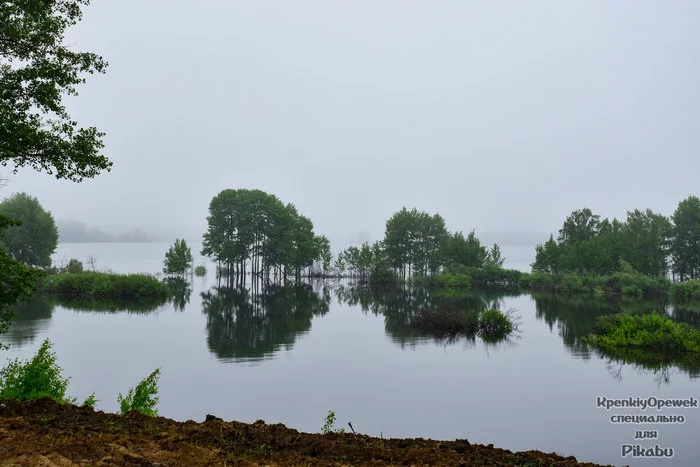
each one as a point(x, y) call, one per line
point(688, 290)
point(494, 325)
point(200, 270)
point(656, 332)
point(142, 398)
point(34, 379)
point(329, 424)
point(74, 266)
point(90, 401)
point(103, 285)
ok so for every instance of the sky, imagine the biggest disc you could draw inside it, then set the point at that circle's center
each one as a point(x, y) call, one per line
point(502, 116)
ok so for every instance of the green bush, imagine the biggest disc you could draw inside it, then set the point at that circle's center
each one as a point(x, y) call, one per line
point(655, 332)
point(494, 325)
point(142, 398)
point(200, 270)
point(34, 379)
point(74, 266)
point(688, 290)
point(103, 285)
point(456, 280)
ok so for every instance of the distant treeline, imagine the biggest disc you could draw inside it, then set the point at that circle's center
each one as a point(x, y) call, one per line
point(78, 232)
point(649, 243)
point(416, 245)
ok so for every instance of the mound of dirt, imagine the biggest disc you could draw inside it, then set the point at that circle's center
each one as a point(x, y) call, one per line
point(45, 433)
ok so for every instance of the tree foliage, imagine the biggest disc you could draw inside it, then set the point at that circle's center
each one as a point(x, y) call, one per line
point(413, 242)
point(178, 258)
point(685, 246)
point(648, 243)
point(36, 71)
point(251, 227)
point(34, 239)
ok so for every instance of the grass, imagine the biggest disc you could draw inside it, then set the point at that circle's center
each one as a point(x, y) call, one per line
point(103, 285)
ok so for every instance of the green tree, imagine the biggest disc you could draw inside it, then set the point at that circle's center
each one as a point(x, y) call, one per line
point(178, 259)
point(494, 257)
point(253, 228)
point(36, 70)
point(646, 242)
point(547, 257)
point(465, 251)
point(685, 246)
point(34, 240)
point(413, 242)
point(580, 226)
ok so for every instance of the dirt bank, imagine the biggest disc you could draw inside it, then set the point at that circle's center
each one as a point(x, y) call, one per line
point(45, 433)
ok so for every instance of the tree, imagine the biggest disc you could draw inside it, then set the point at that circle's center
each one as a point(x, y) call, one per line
point(580, 226)
point(413, 242)
point(547, 257)
point(465, 251)
point(36, 71)
point(646, 241)
point(685, 246)
point(178, 259)
point(34, 240)
point(494, 257)
point(253, 227)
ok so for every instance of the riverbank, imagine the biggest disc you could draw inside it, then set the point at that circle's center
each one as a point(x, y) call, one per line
point(42, 432)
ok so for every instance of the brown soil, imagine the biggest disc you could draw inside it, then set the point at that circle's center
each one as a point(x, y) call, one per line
point(45, 433)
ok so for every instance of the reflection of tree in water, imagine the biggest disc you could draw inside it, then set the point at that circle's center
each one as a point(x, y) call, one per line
point(576, 317)
point(253, 323)
point(180, 290)
point(413, 315)
point(30, 320)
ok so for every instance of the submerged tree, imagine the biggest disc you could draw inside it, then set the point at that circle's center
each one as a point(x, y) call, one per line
point(35, 238)
point(250, 228)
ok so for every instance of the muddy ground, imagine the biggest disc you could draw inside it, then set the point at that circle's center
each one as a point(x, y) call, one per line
point(45, 433)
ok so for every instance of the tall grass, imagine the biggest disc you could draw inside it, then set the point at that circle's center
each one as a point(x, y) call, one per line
point(103, 285)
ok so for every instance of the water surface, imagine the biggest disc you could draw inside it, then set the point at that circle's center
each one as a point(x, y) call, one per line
point(289, 355)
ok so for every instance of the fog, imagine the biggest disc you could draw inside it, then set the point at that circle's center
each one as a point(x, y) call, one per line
point(502, 116)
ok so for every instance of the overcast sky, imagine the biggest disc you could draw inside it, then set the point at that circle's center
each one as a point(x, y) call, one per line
point(503, 116)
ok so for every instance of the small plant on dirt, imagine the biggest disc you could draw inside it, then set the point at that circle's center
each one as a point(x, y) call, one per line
point(90, 401)
point(142, 398)
point(34, 379)
point(329, 424)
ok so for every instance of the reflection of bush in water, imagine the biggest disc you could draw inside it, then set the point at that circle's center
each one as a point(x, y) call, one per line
point(656, 362)
point(252, 324)
point(28, 321)
point(413, 314)
point(141, 305)
point(575, 317)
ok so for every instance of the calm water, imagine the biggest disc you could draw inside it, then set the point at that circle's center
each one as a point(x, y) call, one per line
point(288, 355)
